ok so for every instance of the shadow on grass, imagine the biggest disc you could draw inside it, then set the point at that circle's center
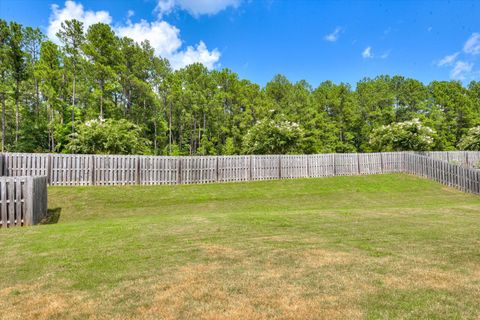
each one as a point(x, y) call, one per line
point(53, 215)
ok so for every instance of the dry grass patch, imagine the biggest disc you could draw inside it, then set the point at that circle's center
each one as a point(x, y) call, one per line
point(210, 291)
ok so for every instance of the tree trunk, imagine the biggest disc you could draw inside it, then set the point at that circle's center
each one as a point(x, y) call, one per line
point(170, 130)
point(3, 122)
point(37, 98)
point(49, 129)
point(52, 136)
point(101, 101)
point(155, 136)
point(17, 111)
point(73, 95)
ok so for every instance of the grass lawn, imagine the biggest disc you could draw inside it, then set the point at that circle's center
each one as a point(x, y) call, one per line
point(386, 246)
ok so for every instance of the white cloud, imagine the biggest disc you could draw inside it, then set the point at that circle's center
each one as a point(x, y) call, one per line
point(73, 10)
point(163, 37)
point(448, 60)
point(472, 45)
point(195, 7)
point(367, 53)
point(332, 37)
point(460, 70)
point(198, 54)
point(385, 55)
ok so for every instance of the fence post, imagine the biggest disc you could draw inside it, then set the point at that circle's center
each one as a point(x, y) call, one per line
point(381, 162)
point(49, 169)
point(250, 175)
point(179, 172)
point(216, 168)
point(28, 217)
point(92, 170)
point(358, 163)
point(308, 165)
point(137, 169)
point(334, 164)
point(280, 166)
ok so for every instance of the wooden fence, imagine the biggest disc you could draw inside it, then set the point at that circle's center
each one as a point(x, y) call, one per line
point(470, 159)
point(453, 175)
point(65, 169)
point(69, 169)
point(23, 200)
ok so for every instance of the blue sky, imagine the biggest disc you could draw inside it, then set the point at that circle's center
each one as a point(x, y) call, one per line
point(342, 41)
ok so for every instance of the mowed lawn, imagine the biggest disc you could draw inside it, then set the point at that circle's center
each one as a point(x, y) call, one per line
point(375, 247)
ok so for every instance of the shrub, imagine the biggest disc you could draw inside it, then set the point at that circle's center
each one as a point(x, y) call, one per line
point(108, 137)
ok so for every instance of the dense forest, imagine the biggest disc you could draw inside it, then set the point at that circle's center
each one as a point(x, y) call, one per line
point(98, 93)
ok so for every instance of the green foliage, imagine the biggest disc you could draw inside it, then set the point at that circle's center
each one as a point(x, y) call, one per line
point(471, 141)
point(108, 137)
point(403, 136)
point(228, 147)
point(46, 90)
point(273, 137)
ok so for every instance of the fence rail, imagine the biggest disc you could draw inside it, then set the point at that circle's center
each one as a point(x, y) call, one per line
point(23, 200)
point(66, 169)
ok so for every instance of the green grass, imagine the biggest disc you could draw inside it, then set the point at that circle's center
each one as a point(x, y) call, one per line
point(378, 247)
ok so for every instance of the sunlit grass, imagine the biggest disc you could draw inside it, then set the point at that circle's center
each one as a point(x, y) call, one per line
point(386, 246)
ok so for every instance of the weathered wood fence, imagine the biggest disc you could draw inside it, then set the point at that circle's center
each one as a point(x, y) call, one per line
point(23, 200)
point(450, 174)
point(68, 169)
point(469, 159)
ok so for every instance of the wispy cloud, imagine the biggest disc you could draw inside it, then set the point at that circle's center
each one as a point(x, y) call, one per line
point(385, 55)
point(472, 45)
point(462, 63)
point(332, 37)
point(367, 53)
point(448, 59)
point(460, 70)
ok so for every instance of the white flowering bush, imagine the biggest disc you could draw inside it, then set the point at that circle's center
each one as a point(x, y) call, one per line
point(270, 136)
point(471, 141)
point(108, 137)
point(403, 136)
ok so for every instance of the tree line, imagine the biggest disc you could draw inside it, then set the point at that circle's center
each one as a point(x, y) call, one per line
point(98, 93)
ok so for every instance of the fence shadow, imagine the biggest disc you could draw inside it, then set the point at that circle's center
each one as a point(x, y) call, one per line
point(53, 215)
